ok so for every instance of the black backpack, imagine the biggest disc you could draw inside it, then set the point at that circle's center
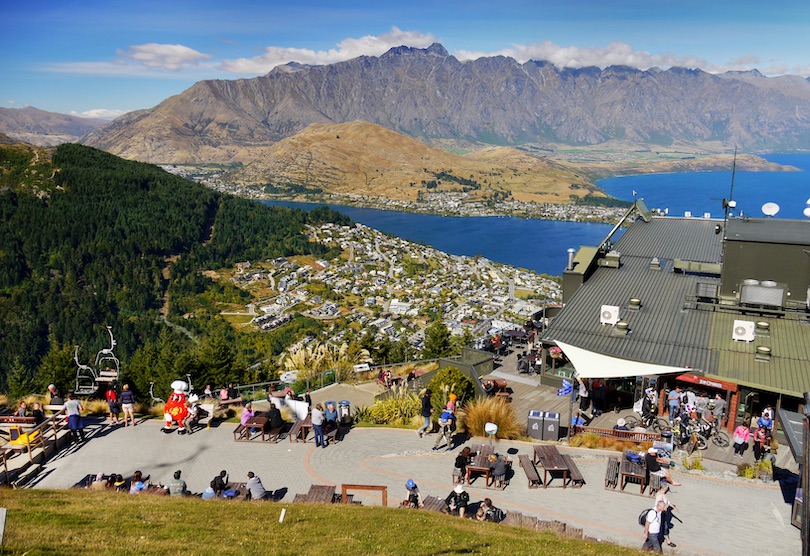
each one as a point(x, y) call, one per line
point(642, 517)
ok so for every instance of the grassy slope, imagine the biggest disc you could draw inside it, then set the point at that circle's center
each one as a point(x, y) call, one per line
point(83, 522)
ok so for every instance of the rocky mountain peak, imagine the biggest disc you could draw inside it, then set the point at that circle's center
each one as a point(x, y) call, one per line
point(434, 49)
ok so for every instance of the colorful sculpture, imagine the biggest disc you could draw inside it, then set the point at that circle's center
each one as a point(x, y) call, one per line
point(175, 408)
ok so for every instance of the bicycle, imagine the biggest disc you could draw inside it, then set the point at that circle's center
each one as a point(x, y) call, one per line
point(658, 424)
point(712, 431)
point(686, 437)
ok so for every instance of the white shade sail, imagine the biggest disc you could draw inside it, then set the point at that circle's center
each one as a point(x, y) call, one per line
point(590, 364)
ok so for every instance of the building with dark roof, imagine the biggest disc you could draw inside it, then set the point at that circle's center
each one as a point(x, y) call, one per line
point(721, 304)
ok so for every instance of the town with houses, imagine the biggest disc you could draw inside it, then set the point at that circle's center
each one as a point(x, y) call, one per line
point(390, 285)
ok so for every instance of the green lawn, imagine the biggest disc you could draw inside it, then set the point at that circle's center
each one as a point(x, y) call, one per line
point(83, 522)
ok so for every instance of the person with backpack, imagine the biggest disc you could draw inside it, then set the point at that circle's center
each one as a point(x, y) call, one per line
point(112, 402)
point(446, 427)
point(653, 528)
point(414, 499)
point(666, 515)
point(457, 501)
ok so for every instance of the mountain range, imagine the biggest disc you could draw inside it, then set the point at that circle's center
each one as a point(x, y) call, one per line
point(430, 95)
point(45, 129)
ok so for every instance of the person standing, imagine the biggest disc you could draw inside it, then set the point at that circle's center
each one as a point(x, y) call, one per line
point(759, 442)
point(177, 486)
point(674, 401)
point(255, 487)
point(653, 529)
point(112, 402)
point(128, 405)
point(56, 396)
point(427, 411)
point(741, 436)
point(317, 425)
point(74, 409)
point(719, 409)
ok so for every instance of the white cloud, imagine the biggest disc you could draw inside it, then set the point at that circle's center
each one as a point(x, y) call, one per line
point(614, 54)
point(346, 50)
point(11, 102)
point(172, 57)
point(99, 113)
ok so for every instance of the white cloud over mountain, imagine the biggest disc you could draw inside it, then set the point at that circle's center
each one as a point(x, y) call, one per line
point(346, 50)
point(171, 57)
point(99, 113)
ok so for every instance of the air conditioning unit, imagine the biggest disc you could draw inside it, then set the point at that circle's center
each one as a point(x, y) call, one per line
point(609, 314)
point(744, 331)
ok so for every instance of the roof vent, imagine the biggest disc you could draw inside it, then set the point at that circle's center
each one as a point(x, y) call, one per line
point(706, 292)
point(763, 329)
point(634, 304)
point(609, 314)
point(763, 354)
point(743, 331)
point(612, 259)
point(767, 293)
point(687, 214)
point(655, 264)
point(622, 328)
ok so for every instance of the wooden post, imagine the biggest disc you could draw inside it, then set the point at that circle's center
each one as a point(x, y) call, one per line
point(3, 512)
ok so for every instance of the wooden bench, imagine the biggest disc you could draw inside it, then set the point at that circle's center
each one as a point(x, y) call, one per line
point(575, 478)
point(241, 434)
point(612, 473)
point(15, 420)
point(531, 471)
point(318, 494)
point(347, 498)
point(655, 484)
point(331, 435)
point(434, 504)
point(275, 434)
point(225, 404)
point(295, 430)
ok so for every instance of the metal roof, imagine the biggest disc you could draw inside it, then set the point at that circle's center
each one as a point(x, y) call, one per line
point(670, 328)
point(769, 230)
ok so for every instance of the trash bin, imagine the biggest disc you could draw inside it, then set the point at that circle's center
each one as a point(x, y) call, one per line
point(534, 426)
point(551, 426)
point(344, 411)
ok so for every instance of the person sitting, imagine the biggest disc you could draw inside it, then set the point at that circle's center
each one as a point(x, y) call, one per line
point(120, 485)
point(210, 492)
point(497, 466)
point(488, 512)
point(255, 487)
point(233, 393)
point(621, 425)
point(220, 482)
point(275, 421)
point(22, 410)
point(489, 388)
point(37, 414)
point(765, 420)
point(653, 464)
point(460, 465)
point(56, 396)
point(99, 483)
point(138, 483)
point(414, 499)
point(223, 393)
point(247, 415)
point(457, 501)
point(177, 486)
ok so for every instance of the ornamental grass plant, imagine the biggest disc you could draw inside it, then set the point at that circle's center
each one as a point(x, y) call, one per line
point(477, 413)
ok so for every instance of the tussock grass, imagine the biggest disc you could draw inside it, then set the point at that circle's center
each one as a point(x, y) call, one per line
point(594, 441)
point(478, 412)
point(71, 522)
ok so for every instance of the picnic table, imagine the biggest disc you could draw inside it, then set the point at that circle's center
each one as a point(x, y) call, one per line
point(304, 429)
point(551, 460)
point(256, 422)
point(480, 463)
point(631, 471)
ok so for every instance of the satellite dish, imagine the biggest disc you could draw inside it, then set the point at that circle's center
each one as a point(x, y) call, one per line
point(807, 212)
point(770, 209)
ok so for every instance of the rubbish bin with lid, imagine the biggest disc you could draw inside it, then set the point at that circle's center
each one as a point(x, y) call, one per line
point(551, 426)
point(344, 411)
point(534, 426)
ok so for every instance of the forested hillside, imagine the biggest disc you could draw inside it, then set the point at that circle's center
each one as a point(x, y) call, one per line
point(101, 242)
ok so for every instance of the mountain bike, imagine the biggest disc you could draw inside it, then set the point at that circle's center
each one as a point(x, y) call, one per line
point(657, 424)
point(712, 431)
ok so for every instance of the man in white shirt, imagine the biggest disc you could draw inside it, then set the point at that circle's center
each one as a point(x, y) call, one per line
point(255, 487)
point(652, 529)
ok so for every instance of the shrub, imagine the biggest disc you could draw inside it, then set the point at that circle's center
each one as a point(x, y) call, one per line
point(478, 413)
point(745, 470)
point(96, 407)
point(695, 463)
point(450, 381)
point(400, 408)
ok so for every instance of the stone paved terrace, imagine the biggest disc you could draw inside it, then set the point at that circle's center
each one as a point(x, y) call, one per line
point(720, 516)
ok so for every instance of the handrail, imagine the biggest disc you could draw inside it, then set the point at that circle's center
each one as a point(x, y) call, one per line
point(636, 436)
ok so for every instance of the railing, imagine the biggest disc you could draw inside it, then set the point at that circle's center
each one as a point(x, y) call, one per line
point(632, 436)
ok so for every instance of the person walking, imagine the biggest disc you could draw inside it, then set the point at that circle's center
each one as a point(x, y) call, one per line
point(653, 529)
point(674, 401)
point(445, 429)
point(317, 425)
point(128, 405)
point(427, 411)
point(666, 515)
point(73, 409)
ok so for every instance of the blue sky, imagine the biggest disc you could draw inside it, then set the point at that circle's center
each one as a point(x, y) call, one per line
point(106, 57)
